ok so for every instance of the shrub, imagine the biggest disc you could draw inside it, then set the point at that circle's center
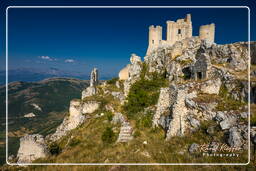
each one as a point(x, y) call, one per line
point(109, 115)
point(55, 149)
point(145, 121)
point(112, 81)
point(74, 142)
point(108, 136)
point(144, 93)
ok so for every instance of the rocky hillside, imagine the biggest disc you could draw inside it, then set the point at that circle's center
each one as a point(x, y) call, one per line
point(36, 107)
point(186, 103)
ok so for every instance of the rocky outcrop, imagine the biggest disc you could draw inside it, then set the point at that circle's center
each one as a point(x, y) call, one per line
point(91, 90)
point(134, 70)
point(163, 108)
point(178, 112)
point(90, 107)
point(73, 120)
point(32, 147)
point(234, 139)
point(118, 118)
point(119, 96)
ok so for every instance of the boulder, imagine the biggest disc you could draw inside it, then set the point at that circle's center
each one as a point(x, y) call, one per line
point(228, 122)
point(193, 122)
point(193, 148)
point(211, 86)
point(234, 139)
point(32, 147)
point(90, 107)
point(118, 118)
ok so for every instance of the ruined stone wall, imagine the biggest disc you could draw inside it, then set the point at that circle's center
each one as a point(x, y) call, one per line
point(207, 32)
point(155, 38)
point(179, 30)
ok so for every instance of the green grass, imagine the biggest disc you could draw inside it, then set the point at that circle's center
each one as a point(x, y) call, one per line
point(227, 103)
point(144, 93)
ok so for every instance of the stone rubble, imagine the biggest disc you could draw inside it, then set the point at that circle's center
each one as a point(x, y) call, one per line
point(32, 147)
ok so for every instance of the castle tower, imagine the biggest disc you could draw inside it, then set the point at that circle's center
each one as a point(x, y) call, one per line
point(207, 32)
point(179, 30)
point(154, 38)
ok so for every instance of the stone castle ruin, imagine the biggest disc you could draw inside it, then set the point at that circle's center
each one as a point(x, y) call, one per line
point(177, 31)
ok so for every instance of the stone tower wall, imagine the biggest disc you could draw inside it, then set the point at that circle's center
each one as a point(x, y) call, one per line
point(179, 30)
point(155, 37)
point(207, 32)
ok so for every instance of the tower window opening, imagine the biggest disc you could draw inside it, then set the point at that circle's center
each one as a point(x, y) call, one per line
point(179, 31)
point(152, 41)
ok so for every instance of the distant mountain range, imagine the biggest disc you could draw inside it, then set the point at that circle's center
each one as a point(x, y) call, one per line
point(48, 100)
point(31, 74)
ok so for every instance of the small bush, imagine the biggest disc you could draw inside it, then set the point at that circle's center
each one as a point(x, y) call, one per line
point(144, 121)
point(136, 133)
point(109, 115)
point(73, 142)
point(144, 93)
point(55, 149)
point(112, 81)
point(108, 136)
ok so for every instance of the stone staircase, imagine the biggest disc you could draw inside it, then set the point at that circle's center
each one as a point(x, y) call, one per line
point(125, 134)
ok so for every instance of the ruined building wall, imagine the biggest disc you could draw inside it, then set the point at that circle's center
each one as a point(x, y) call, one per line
point(155, 38)
point(207, 32)
point(179, 30)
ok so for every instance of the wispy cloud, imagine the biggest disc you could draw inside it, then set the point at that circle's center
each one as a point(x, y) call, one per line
point(48, 58)
point(69, 60)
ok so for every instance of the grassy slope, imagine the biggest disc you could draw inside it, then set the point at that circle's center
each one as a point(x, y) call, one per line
point(84, 145)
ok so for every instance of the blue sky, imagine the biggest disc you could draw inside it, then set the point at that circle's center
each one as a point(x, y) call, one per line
point(78, 39)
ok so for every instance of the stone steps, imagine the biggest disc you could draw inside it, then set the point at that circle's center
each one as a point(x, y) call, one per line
point(125, 134)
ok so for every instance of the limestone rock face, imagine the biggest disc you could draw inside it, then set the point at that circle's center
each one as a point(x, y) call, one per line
point(70, 122)
point(135, 59)
point(162, 110)
point(134, 70)
point(179, 111)
point(118, 118)
point(234, 139)
point(31, 148)
point(211, 86)
point(90, 107)
point(89, 91)
point(119, 95)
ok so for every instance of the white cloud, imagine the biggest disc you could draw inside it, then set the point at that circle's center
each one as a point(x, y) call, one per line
point(47, 58)
point(69, 60)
